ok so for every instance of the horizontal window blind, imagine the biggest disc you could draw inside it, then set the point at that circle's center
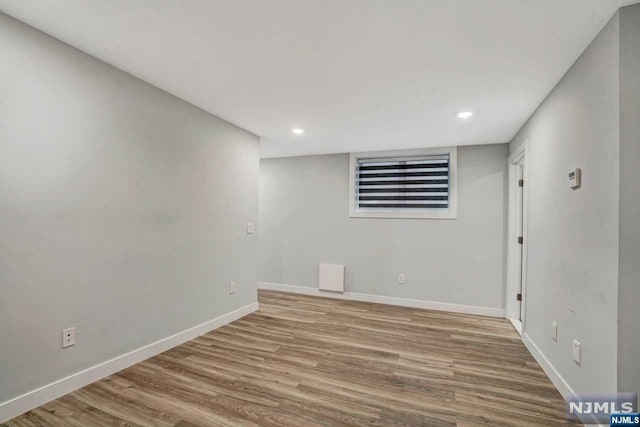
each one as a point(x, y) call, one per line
point(403, 183)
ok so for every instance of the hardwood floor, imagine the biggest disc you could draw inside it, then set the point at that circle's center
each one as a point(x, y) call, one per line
point(309, 361)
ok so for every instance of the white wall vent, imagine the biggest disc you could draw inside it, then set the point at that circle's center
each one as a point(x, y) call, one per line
point(331, 277)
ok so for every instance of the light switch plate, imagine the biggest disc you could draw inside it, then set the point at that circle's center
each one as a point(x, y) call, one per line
point(577, 352)
point(250, 228)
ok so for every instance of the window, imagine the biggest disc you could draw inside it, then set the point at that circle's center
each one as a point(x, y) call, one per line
point(404, 184)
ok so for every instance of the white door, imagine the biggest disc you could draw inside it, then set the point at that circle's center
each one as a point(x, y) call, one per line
point(516, 292)
point(519, 206)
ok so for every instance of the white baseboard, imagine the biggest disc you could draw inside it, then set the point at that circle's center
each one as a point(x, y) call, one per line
point(381, 299)
point(517, 325)
point(563, 387)
point(21, 404)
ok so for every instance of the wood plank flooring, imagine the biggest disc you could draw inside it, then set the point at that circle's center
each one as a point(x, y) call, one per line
point(309, 361)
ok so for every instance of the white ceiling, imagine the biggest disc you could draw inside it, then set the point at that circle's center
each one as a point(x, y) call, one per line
point(357, 75)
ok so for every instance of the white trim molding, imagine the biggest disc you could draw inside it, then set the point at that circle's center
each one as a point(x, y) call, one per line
point(517, 325)
point(517, 277)
point(383, 299)
point(21, 404)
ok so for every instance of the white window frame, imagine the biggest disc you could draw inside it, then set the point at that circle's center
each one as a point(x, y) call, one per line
point(449, 213)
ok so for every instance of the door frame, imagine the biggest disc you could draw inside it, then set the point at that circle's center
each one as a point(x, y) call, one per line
point(517, 157)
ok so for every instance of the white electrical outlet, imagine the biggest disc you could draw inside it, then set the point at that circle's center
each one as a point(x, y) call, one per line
point(232, 287)
point(401, 279)
point(554, 330)
point(577, 352)
point(68, 337)
point(250, 228)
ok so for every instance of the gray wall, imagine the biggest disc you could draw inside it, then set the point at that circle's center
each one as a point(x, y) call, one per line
point(123, 211)
point(572, 274)
point(629, 292)
point(304, 220)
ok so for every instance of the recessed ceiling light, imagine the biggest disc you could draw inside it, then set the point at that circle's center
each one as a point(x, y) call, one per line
point(465, 114)
point(297, 131)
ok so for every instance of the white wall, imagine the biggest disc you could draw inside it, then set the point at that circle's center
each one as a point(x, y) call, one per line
point(304, 220)
point(123, 211)
point(573, 235)
point(629, 292)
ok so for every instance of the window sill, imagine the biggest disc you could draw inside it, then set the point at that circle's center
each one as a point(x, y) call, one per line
point(447, 214)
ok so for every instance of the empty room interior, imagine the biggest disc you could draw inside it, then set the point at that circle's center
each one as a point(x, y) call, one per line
point(319, 212)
